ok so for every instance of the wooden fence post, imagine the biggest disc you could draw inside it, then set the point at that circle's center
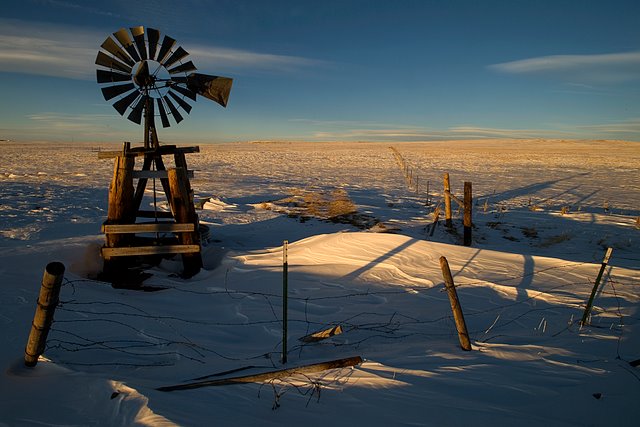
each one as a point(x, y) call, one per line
point(447, 201)
point(47, 302)
point(468, 206)
point(285, 292)
point(587, 310)
point(461, 326)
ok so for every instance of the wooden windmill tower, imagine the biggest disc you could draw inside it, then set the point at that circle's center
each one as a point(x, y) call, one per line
point(145, 79)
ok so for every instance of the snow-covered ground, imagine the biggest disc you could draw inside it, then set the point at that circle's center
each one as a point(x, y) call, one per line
point(544, 214)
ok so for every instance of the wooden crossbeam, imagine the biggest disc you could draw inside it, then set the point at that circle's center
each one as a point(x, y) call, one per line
point(160, 227)
point(141, 151)
point(154, 214)
point(159, 174)
point(150, 250)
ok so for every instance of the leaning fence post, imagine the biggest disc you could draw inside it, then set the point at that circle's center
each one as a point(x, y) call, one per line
point(461, 326)
point(587, 310)
point(447, 201)
point(47, 302)
point(285, 291)
point(468, 205)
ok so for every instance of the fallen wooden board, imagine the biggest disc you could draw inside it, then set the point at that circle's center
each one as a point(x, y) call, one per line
point(321, 335)
point(267, 376)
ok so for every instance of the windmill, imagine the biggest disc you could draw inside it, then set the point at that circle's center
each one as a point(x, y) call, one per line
point(145, 79)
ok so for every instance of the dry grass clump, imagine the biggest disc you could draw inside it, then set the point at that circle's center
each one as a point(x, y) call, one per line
point(334, 205)
point(554, 240)
point(317, 204)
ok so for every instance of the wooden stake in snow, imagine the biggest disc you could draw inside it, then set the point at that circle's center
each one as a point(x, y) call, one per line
point(47, 302)
point(461, 326)
point(468, 202)
point(285, 291)
point(447, 201)
point(587, 310)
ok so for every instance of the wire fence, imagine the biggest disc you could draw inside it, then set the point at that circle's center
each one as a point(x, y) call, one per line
point(108, 332)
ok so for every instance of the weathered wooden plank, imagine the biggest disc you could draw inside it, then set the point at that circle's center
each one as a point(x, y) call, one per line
point(160, 227)
point(269, 376)
point(150, 250)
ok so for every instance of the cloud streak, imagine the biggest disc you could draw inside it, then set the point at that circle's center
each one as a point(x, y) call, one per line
point(43, 49)
point(369, 131)
point(582, 69)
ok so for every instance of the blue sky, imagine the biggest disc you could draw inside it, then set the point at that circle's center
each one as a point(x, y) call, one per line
point(338, 69)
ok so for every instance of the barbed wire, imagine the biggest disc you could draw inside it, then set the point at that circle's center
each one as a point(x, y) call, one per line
point(361, 327)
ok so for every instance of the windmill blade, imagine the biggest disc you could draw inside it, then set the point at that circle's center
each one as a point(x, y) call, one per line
point(122, 105)
point(136, 113)
point(153, 36)
point(112, 47)
point(138, 37)
point(184, 104)
point(173, 109)
point(179, 79)
point(213, 87)
point(163, 114)
point(110, 62)
point(111, 92)
point(188, 66)
point(104, 76)
point(175, 57)
point(186, 92)
point(123, 38)
point(167, 45)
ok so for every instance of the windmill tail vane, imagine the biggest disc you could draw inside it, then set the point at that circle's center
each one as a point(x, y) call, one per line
point(144, 77)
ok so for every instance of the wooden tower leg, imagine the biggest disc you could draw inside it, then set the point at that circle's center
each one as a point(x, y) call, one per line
point(120, 209)
point(184, 212)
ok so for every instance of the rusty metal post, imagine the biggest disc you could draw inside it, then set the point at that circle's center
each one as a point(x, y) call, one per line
point(47, 302)
point(285, 297)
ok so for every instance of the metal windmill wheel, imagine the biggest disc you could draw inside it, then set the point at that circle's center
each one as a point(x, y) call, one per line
point(145, 78)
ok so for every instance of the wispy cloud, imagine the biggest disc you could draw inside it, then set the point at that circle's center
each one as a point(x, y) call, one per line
point(81, 7)
point(371, 131)
point(70, 52)
point(398, 134)
point(210, 57)
point(485, 132)
point(579, 69)
point(624, 128)
point(76, 122)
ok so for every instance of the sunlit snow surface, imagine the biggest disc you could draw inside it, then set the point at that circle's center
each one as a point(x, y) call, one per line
point(544, 213)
